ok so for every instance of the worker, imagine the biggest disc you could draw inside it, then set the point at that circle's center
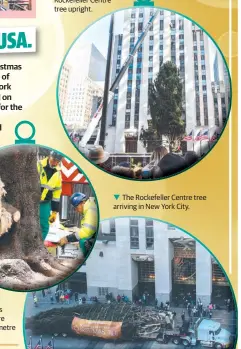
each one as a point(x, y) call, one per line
point(88, 225)
point(51, 188)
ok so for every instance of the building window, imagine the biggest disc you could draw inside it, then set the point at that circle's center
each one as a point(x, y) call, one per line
point(134, 234)
point(150, 69)
point(161, 37)
point(181, 24)
point(133, 15)
point(127, 124)
point(161, 25)
point(151, 48)
point(170, 227)
point(140, 27)
point(173, 23)
point(149, 235)
point(103, 291)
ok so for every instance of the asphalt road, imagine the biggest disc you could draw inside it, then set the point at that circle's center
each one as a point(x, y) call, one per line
point(81, 343)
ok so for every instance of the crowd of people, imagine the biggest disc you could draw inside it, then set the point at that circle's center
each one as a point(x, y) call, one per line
point(191, 310)
point(162, 163)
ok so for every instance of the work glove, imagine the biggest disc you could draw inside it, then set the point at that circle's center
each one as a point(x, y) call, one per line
point(53, 217)
point(63, 241)
point(74, 230)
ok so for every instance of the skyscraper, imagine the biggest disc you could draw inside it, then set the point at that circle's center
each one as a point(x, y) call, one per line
point(79, 95)
point(170, 38)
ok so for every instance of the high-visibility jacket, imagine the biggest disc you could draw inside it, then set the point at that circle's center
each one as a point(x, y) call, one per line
point(51, 185)
point(89, 221)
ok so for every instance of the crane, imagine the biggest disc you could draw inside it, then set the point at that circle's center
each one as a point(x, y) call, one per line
point(97, 116)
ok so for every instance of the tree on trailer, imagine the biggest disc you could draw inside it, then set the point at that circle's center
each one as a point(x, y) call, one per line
point(24, 262)
point(109, 321)
point(127, 322)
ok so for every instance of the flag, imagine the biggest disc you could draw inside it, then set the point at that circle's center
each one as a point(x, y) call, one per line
point(214, 137)
point(204, 136)
point(50, 345)
point(30, 343)
point(39, 344)
point(189, 137)
point(198, 136)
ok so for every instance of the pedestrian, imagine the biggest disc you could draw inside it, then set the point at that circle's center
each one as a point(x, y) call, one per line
point(156, 303)
point(61, 298)
point(51, 299)
point(43, 293)
point(66, 298)
point(57, 296)
point(210, 307)
point(88, 224)
point(76, 297)
point(183, 316)
point(80, 300)
point(210, 314)
point(49, 171)
point(35, 300)
point(83, 300)
point(161, 305)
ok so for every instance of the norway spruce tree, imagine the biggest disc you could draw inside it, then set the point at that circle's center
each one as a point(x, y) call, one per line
point(165, 103)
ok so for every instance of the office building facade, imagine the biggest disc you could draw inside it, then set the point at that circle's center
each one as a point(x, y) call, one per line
point(81, 86)
point(137, 255)
point(171, 38)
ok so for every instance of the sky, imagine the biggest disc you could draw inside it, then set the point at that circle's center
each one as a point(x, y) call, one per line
point(98, 34)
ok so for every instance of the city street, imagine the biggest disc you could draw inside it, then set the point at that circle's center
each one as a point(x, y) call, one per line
point(226, 319)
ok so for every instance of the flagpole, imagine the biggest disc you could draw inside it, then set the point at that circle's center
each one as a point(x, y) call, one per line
point(53, 341)
point(41, 339)
point(30, 340)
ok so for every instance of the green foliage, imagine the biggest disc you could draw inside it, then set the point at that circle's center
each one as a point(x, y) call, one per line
point(165, 103)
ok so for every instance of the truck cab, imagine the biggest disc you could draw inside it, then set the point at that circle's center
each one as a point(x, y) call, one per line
point(208, 333)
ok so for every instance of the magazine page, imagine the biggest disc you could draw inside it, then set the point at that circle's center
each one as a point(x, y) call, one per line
point(118, 174)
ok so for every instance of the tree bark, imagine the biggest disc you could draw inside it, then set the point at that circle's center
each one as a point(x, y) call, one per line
point(24, 261)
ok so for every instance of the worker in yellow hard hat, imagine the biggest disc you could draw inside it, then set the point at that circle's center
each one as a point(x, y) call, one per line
point(88, 225)
point(51, 188)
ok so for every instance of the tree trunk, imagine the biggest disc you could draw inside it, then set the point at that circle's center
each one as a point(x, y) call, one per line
point(24, 261)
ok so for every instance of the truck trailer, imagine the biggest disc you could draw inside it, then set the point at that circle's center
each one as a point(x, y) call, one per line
point(127, 322)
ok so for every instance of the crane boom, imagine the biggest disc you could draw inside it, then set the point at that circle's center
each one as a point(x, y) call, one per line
point(97, 116)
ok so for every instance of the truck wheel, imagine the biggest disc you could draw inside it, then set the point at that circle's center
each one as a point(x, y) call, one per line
point(218, 346)
point(186, 343)
point(176, 341)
